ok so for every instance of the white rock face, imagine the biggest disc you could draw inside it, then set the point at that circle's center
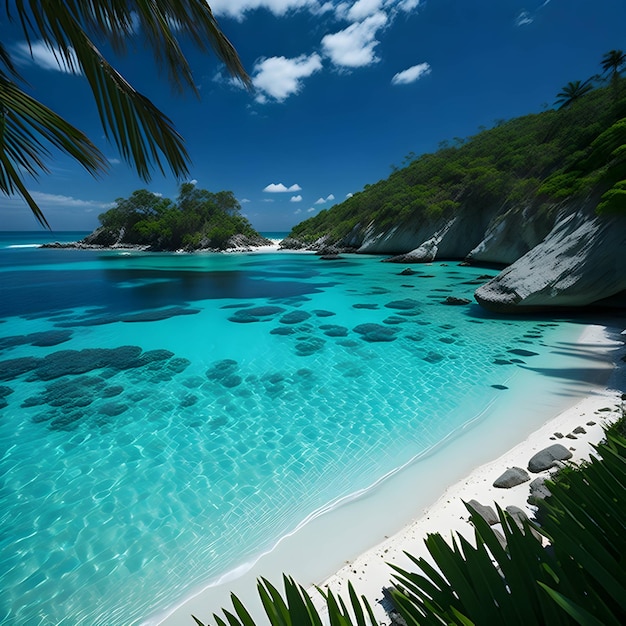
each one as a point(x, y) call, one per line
point(565, 258)
point(452, 238)
point(511, 236)
point(394, 240)
point(580, 262)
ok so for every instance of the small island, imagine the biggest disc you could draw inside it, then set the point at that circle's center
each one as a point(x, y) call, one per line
point(197, 220)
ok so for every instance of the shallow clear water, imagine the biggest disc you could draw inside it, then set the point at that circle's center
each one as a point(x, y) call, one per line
point(165, 418)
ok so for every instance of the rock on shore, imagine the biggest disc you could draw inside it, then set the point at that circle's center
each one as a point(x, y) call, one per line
point(565, 256)
point(581, 262)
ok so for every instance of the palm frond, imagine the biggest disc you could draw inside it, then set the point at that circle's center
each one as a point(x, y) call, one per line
point(145, 136)
point(161, 24)
point(27, 130)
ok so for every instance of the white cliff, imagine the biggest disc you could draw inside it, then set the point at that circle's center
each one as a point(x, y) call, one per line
point(581, 262)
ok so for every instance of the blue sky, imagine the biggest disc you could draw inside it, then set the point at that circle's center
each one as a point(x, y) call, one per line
point(343, 91)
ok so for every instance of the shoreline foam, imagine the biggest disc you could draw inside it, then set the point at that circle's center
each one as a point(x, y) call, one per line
point(334, 543)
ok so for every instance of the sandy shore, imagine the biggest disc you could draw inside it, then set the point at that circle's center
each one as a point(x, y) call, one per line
point(431, 492)
point(370, 572)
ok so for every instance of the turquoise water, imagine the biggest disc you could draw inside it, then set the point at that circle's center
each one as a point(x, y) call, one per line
point(166, 417)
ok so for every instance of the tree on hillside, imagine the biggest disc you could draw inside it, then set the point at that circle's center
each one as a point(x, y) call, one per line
point(613, 61)
point(572, 92)
point(70, 29)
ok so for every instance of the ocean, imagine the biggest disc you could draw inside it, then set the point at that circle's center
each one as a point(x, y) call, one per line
point(166, 418)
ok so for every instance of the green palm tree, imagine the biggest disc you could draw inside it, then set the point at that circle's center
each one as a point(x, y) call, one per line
point(613, 61)
point(572, 91)
point(144, 136)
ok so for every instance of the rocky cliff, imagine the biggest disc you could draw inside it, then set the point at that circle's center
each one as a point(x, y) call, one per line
point(563, 257)
point(543, 195)
point(580, 262)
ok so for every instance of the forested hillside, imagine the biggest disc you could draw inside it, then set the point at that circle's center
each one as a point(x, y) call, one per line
point(532, 163)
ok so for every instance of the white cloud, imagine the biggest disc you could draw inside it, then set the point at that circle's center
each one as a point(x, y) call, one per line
point(297, 212)
point(362, 9)
point(526, 17)
point(311, 210)
point(278, 77)
point(408, 5)
point(280, 188)
point(268, 199)
point(42, 56)
point(355, 10)
point(297, 198)
point(244, 201)
point(49, 199)
point(349, 195)
point(354, 46)
point(411, 74)
point(328, 198)
point(238, 8)
point(114, 161)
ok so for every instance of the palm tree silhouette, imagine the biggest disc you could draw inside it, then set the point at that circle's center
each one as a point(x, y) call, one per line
point(612, 61)
point(572, 91)
point(144, 136)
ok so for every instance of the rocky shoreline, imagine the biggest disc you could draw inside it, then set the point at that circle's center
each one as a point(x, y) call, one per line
point(569, 259)
point(95, 241)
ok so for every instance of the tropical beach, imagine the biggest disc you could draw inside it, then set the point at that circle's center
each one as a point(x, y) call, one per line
point(360, 538)
point(375, 292)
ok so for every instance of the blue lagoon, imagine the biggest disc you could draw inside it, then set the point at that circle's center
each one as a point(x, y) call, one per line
point(166, 418)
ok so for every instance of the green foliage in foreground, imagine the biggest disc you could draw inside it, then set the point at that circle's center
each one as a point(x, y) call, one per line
point(580, 578)
point(197, 219)
point(531, 164)
point(297, 609)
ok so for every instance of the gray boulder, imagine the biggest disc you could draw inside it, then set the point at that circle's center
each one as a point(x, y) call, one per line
point(500, 537)
point(579, 263)
point(546, 458)
point(454, 301)
point(512, 477)
point(519, 517)
point(538, 490)
point(486, 512)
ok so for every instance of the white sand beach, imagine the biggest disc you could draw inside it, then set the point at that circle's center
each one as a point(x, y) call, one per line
point(358, 539)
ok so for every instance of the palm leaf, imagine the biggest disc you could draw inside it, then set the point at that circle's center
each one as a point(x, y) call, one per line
point(578, 613)
point(144, 136)
point(27, 128)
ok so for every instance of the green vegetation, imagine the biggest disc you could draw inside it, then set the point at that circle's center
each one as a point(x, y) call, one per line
point(572, 92)
point(73, 30)
point(197, 219)
point(533, 163)
point(580, 578)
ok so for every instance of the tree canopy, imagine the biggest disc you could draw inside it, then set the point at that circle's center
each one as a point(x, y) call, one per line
point(196, 219)
point(572, 92)
point(72, 29)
